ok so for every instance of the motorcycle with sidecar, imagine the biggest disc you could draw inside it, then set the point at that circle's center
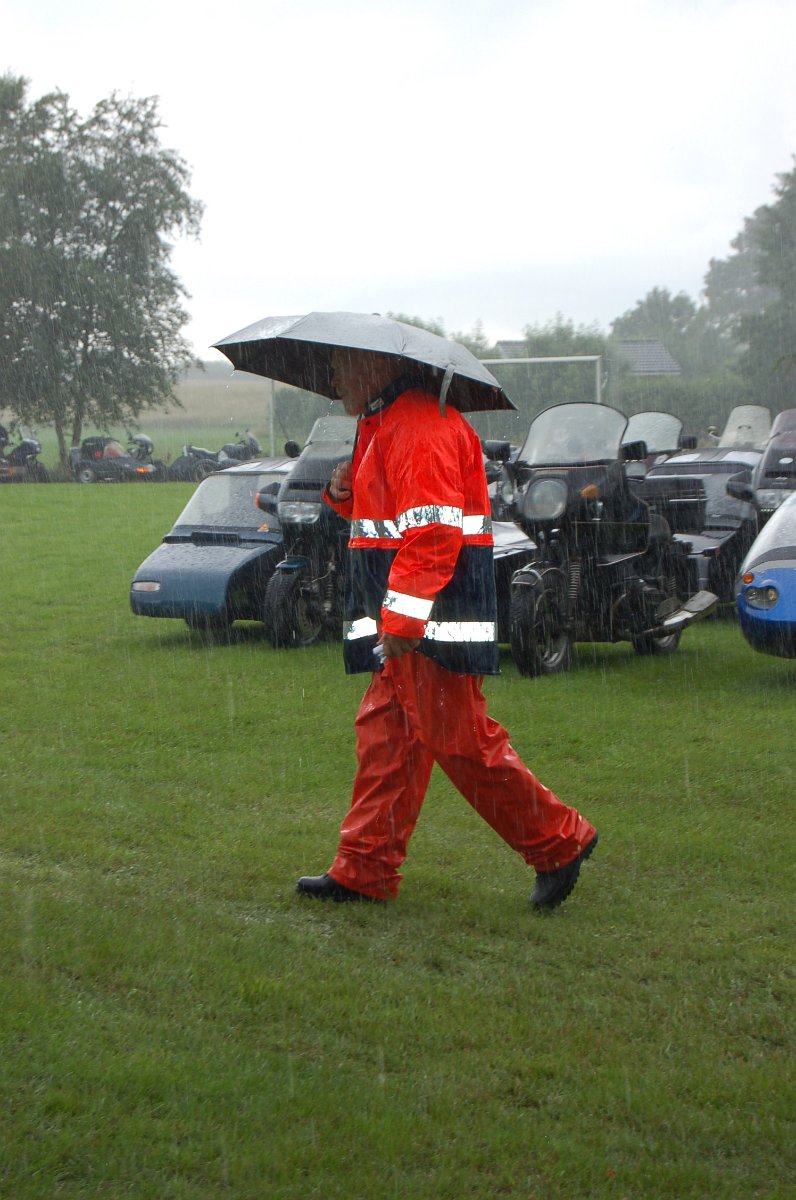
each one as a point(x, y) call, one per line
point(20, 463)
point(607, 567)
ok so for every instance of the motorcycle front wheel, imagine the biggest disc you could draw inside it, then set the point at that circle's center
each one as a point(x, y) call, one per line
point(291, 616)
point(648, 643)
point(540, 644)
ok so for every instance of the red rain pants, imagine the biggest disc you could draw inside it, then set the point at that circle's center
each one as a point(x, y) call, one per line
point(413, 714)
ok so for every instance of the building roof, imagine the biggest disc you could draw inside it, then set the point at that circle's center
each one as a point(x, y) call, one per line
point(511, 349)
point(648, 356)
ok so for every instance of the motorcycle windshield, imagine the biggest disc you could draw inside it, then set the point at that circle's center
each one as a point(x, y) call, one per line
point(227, 501)
point(568, 434)
point(660, 430)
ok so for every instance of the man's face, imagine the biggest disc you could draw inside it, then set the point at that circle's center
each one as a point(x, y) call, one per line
point(358, 376)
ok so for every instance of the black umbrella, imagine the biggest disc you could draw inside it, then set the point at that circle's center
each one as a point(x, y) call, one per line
point(297, 350)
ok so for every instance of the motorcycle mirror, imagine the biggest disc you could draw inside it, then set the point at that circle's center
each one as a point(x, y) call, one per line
point(634, 451)
point(266, 499)
point(292, 449)
point(496, 451)
point(740, 491)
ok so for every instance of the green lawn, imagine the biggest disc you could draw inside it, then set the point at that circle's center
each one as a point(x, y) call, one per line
point(176, 1023)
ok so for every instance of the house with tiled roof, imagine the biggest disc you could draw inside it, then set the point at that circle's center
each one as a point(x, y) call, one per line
point(648, 356)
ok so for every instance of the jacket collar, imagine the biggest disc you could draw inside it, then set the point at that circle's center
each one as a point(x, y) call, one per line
point(387, 396)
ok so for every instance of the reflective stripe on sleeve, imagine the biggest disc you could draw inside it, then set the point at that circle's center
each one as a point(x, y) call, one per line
point(461, 631)
point(407, 606)
point(472, 526)
point(429, 514)
point(365, 528)
point(364, 627)
point(417, 518)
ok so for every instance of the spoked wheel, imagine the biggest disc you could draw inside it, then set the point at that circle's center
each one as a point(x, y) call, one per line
point(292, 616)
point(665, 643)
point(540, 641)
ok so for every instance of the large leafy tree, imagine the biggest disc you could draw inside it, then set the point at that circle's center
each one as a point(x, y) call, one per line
point(768, 360)
point(90, 312)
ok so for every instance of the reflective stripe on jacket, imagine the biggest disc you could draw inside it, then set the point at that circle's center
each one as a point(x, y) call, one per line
point(420, 561)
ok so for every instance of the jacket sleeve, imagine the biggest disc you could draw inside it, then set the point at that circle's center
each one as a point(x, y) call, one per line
point(343, 508)
point(422, 463)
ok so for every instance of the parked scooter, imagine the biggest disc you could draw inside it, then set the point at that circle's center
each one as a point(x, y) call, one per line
point(196, 462)
point(304, 597)
point(607, 568)
point(20, 464)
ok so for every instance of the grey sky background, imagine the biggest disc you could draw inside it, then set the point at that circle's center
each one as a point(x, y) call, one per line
point(489, 160)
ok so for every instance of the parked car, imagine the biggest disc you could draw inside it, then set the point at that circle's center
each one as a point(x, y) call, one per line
point(689, 491)
point(214, 565)
point(766, 585)
point(775, 475)
point(105, 460)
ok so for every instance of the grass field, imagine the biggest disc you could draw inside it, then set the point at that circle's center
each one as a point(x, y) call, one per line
point(176, 1024)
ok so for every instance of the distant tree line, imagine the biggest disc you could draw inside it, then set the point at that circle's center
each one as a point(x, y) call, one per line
point(91, 314)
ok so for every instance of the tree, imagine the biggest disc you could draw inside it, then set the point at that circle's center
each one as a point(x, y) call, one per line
point(768, 361)
point(90, 312)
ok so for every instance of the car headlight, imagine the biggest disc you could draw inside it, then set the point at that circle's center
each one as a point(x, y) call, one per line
point(300, 511)
point(761, 597)
point(146, 585)
point(544, 500)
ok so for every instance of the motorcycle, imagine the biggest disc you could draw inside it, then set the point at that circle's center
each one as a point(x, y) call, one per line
point(196, 462)
point(607, 567)
point(304, 598)
point(20, 464)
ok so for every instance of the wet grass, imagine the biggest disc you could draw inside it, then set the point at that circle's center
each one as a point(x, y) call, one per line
point(176, 1023)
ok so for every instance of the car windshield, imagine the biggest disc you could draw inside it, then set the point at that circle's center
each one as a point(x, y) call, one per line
point(227, 500)
point(660, 430)
point(780, 530)
point(574, 433)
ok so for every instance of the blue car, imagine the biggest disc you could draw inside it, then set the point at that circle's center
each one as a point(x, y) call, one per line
point(766, 585)
point(213, 567)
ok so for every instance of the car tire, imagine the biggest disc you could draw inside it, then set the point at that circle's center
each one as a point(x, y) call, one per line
point(290, 617)
point(540, 642)
point(86, 474)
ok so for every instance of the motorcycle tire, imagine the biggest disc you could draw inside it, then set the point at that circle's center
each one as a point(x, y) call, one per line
point(201, 470)
point(289, 615)
point(540, 645)
point(648, 643)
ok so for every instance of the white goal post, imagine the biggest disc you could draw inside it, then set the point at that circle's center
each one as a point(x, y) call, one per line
point(569, 358)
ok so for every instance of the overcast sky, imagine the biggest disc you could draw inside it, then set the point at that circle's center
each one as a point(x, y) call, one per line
point(492, 160)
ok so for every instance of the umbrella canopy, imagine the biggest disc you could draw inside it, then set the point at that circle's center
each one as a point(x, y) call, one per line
point(297, 350)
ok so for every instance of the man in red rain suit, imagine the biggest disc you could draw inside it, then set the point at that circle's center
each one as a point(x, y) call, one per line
point(421, 612)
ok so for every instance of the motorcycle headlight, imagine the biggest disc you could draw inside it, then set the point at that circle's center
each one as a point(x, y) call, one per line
point(769, 499)
point(300, 511)
point(544, 500)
